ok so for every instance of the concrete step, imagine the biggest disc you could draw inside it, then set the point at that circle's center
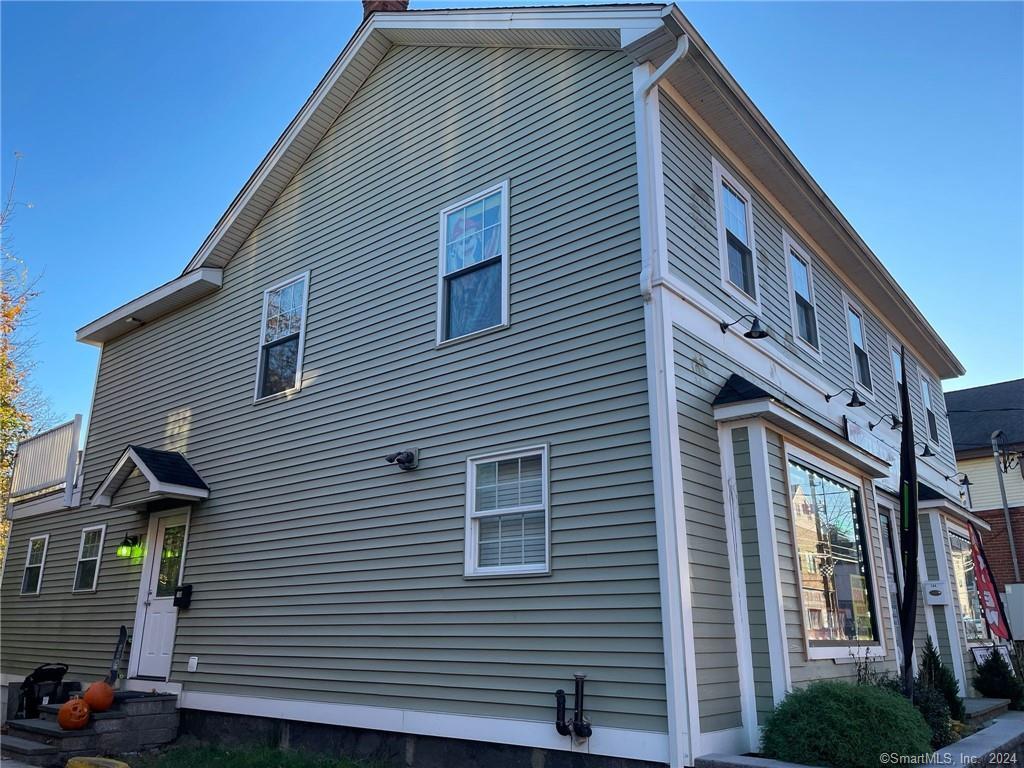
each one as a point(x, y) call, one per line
point(31, 752)
point(980, 711)
point(50, 733)
point(49, 712)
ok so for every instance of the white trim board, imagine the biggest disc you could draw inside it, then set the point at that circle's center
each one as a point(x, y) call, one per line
point(700, 317)
point(612, 742)
point(673, 556)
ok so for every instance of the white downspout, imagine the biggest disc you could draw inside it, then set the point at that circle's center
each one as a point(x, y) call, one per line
point(650, 266)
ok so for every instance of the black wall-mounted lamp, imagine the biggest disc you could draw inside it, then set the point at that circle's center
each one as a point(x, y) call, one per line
point(127, 546)
point(964, 481)
point(897, 422)
point(927, 452)
point(855, 401)
point(757, 331)
point(407, 459)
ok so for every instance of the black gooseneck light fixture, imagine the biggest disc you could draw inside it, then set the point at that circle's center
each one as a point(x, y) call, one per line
point(927, 452)
point(895, 422)
point(757, 331)
point(855, 401)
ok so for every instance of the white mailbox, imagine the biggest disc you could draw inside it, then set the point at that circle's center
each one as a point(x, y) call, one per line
point(935, 592)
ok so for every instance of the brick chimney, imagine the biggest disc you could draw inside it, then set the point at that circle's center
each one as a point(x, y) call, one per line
point(384, 6)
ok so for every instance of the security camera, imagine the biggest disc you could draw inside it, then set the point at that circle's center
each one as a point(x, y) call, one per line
point(407, 459)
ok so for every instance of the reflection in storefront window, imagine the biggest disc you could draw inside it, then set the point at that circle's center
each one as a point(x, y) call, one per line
point(831, 553)
point(967, 589)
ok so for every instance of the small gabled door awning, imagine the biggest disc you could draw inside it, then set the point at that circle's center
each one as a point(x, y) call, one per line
point(169, 474)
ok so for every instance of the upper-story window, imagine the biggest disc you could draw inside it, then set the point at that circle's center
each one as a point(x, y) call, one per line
point(507, 513)
point(90, 549)
point(32, 578)
point(282, 335)
point(896, 358)
point(801, 285)
point(473, 273)
point(929, 410)
point(859, 346)
point(736, 236)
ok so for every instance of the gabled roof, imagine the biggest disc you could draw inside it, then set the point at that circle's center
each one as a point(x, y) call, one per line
point(646, 32)
point(738, 390)
point(975, 413)
point(168, 472)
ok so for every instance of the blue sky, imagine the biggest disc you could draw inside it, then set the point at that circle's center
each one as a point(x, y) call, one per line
point(139, 123)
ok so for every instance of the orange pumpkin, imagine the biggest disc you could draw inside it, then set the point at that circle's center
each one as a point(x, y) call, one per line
point(73, 715)
point(99, 696)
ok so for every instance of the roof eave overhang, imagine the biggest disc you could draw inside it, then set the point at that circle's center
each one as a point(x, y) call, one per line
point(170, 296)
point(950, 507)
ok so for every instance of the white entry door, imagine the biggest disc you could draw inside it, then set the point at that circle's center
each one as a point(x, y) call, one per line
point(160, 577)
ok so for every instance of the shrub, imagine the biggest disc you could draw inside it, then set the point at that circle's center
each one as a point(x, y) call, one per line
point(843, 725)
point(996, 680)
point(934, 674)
point(935, 711)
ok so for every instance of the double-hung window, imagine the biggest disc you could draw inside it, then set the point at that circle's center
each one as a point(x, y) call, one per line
point(507, 513)
point(801, 281)
point(896, 356)
point(473, 271)
point(967, 596)
point(32, 578)
point(859, 347)
point(282, 334)
point(735, 235)
point(929, 411)
point(90, 549)
point(831, 542)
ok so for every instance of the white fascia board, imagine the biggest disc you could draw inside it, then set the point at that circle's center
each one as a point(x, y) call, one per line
point(160, 301)
point(771, 411)
point(611, 17)
point(953, 509)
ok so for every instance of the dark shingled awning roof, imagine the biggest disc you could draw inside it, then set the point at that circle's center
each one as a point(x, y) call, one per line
point(739, 390)
point(975, 413)
point(169, 475)
point(169, 467)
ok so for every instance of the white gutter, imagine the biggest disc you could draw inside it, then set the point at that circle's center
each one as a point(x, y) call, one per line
point(651, 265)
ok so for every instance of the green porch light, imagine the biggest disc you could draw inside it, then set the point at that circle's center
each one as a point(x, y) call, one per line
point(127, 546)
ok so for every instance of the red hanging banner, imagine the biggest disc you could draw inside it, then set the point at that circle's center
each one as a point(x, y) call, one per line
point(990, 602)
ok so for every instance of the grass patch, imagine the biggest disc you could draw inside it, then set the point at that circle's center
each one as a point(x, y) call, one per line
point(262, 757)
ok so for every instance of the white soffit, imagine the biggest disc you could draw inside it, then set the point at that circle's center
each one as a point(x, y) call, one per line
point(167, 298)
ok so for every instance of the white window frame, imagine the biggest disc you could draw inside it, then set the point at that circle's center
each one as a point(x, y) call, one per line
point(951, 529)
point(42, 564)
point(99, 558)
point(893, 545)
point(849, 305)
point(790, 247)
point(304, 276)
point(721, 175)
point(442, 309)
point(836, 652)
point(894, 346)
point(927, 405)
point(472, 569)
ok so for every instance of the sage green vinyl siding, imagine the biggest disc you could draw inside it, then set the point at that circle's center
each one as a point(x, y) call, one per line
point(320, 571)
point(78, 629)
point(802, 669)
point(714, 625)
point(756, 616)
point(932, 548)
point(693, 256)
